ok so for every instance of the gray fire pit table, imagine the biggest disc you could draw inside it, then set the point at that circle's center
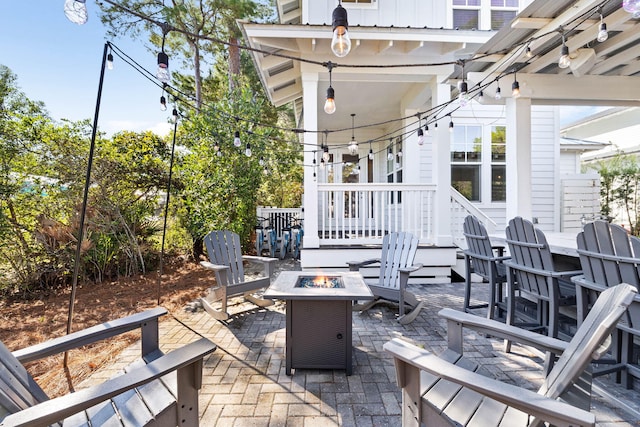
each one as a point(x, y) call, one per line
point(319, 308)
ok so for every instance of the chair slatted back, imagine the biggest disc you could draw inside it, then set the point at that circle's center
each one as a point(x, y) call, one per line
point(528, 247)
point(223, 248)
point(18, 390)
point(398, 251)
point(478, 243)
point(587, 342)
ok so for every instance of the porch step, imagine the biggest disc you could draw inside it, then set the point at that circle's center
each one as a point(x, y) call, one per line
point(437, 261)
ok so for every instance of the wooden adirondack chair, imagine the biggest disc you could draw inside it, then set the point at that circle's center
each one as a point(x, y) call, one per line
point(532, 273)
point(226, 261)
point(609, 255)
point(159, 390)
point(485, 260)
point(445, 390)
point(396, 264)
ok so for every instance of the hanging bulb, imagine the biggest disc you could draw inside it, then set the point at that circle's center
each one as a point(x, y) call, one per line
point(174, 115)
point(371, 155)
point(481, 97)
point(314, 176)
point(390, 154)
point(564, 60)
point(632, 6)
point(236, 139)
point(265, 171)
point(353, 145)
point(247, 150)
point(357, 171)
point(163, 103)
point(498, 94)
point(163, 73)
point(219, 153)
point(400, 153)
point(420, 136)
point(603, 35)
point(76, 11)
point(325, 154)
point(426, 130)
point(330, 103)
point(527, 53)
point(341, 42)
point(322, 163)
point(515, 89)
point(463, 98)
point(450, 124)
point(261, 161)
point(110, 61)
point(216, 147)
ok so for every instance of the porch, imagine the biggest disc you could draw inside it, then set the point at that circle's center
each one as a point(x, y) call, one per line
point(244, 383)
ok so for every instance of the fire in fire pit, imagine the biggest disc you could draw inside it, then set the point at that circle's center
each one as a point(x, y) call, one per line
point(319, 282)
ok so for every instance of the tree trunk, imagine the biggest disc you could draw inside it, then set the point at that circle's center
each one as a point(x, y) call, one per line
point(198, 248)
point(234, 62)
point(197, 74)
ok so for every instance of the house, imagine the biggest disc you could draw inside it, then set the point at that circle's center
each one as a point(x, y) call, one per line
point(408, 64)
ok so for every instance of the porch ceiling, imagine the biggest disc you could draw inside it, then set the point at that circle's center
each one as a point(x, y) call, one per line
point(373, 94)
point(602, 73)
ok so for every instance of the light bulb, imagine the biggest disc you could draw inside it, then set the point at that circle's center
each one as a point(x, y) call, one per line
point(219, 153)
point(515, 89)
point(498, 94)
point(261, 161)
point(76, 11)
point(174, 115)
point(236, 139)
point(216, 147)
point(463, 99)
point(390, 154)
point(564, 60)
point(632, 6)
point(340, 42)
point(420, 137)
point(163, 103)
point(325, 154)
point(481, 97)
point(314, 176)
point(450, 125)
point(527, 53)
point(265, 171)
point(163, 73)
point(400, 154)
point(330, 103)
point(371, 155)
point(322, 163)
point(247, 150)
point(110, 61)
point(603, 35)
point(353, 147)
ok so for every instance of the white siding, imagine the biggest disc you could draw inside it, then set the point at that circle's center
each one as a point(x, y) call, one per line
point(569, 163)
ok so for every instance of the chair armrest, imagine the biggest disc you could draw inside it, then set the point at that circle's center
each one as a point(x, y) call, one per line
point(50, 411)
point(355, 265)
point(410, 269)
point(456, 320)
point(553, 411)
point(91, 335)
point(263, 259)
point(541, 272)
point(214, 267)
point(485, 257)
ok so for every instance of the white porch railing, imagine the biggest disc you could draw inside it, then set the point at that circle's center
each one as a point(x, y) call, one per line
point(460, 208)
point(364, 213)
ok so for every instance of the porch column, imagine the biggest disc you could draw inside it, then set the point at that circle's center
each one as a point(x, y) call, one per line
point(441, 149)
point(518, 156)
point(310, 139)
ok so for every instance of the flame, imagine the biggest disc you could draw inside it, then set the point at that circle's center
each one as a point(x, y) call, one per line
point(320, 281)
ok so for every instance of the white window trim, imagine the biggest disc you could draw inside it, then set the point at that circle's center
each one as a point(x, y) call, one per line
point(366, 6)
point(485, 8)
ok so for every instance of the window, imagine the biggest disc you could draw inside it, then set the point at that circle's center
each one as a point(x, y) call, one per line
point(502, 12)
point(466, 14)
point(483, 14)
point(394, 165)
point(498, 168)
point(466, 160)
point(358, 1)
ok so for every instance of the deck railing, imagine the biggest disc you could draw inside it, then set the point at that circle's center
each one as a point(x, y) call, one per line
point(460, 208)
point(364, 213)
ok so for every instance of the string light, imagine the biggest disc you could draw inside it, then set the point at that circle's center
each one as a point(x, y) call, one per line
point(633, 7)
point(420, 132)
point(564, 60)
point(498, 93)
point(340, 42)
point(247, 150)
point(163, 103)
point(163, 73)
point(236, 139)
point(353, 145)
point(515, 87)
point(174, 115)
point(110, 61)
point(528, 53)
point(450, 123)
point(390, 152)
point(463, 98)
point(76, 11)
point(481, 97)
point(603, 35)
point(330, 103)
point(261, 161)
point(371, 154)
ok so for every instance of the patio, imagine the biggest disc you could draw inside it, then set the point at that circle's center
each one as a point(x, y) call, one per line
point(244, 381)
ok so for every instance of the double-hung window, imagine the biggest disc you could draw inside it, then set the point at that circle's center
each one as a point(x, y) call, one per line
point(483, 14)
point(466, 161)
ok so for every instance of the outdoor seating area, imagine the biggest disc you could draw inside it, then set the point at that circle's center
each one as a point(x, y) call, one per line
point(245, 382)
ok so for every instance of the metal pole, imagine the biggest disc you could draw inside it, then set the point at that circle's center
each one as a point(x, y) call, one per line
point(166, 205)
point(87, 183)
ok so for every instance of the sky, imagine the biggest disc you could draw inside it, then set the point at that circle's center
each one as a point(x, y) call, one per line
point(58, 62)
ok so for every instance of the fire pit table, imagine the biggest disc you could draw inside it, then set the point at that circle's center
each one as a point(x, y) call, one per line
point(319, 307)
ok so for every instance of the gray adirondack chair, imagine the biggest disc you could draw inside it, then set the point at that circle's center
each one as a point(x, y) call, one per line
point(487, 261)
point(396, 264)
point(532, 273)
point(445, 390)
point(226, 261)
point(609, 255)
point(159, 390)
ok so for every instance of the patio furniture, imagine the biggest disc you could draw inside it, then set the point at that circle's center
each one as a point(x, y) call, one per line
point(319, 315)
point(226, 261)
point(533, 275)
point(609, 255)
point(485, 260)
point(160, 389)
point(396, 264)
point(446, 390)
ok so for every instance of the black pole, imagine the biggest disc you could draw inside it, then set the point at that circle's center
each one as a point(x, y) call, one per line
point(166, 205)
point(87, 183)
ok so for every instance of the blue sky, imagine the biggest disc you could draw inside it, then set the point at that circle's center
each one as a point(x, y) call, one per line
point(58, 62)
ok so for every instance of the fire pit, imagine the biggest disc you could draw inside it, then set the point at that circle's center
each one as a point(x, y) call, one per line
point(319, 308)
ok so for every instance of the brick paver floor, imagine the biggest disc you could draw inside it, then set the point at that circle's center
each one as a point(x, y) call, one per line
point(245, 382)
